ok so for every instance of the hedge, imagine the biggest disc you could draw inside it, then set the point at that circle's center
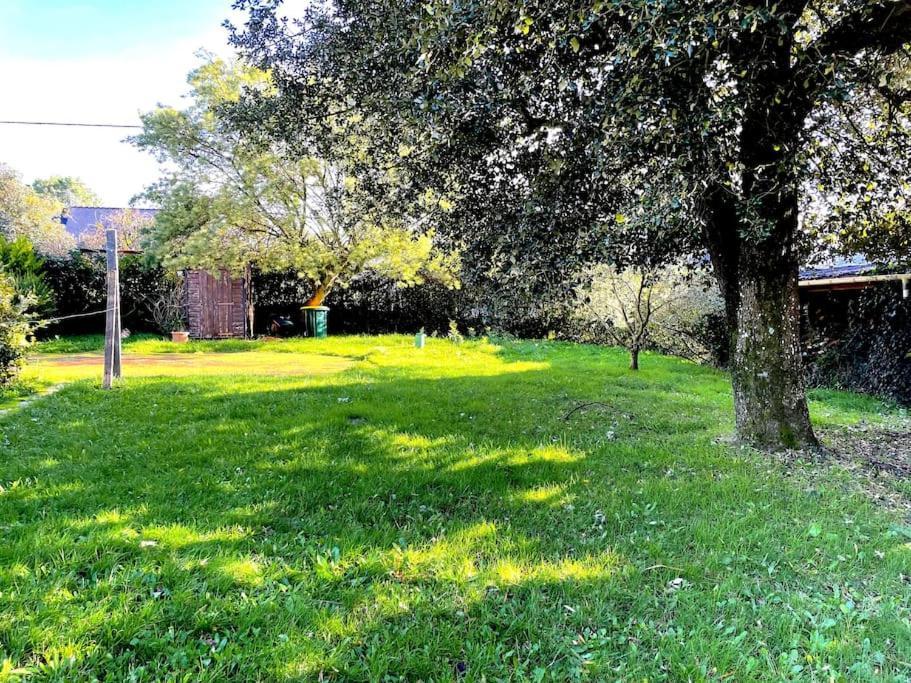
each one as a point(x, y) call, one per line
point(860, 341)
point(79, 286)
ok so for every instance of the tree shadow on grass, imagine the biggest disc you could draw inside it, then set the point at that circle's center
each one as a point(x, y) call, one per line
point(354, 526)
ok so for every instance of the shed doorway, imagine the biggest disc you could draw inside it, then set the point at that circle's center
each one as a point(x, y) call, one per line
point(216, 305)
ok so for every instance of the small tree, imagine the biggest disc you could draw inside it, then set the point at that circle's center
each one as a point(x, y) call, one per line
point(637, 308)
point(622, 302)
point(167, 307)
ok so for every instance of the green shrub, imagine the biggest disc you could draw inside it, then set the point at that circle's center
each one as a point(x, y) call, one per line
point(15, 329)
point(23, 265)
point(79, 283)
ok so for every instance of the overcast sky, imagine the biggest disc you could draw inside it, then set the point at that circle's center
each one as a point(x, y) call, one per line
point(96, 61)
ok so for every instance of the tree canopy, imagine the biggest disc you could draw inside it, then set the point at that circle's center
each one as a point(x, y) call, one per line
point(567, 132)
point(67, 190)
point(35, 217)
point(233, 200)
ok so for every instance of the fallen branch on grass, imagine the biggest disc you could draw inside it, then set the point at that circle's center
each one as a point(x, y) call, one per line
point(583, 406)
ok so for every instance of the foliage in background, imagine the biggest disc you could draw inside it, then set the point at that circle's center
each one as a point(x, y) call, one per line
point(79, 286)
point(15, 329)
point(861, 205)
point(25, 213)
point(20, 263)
point(67, 190)
point(230, 202)
point(373, 304)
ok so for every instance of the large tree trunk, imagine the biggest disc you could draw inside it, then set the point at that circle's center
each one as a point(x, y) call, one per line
point(634, 358)
point(767, 370)
point(758, 278)
point(752, 233)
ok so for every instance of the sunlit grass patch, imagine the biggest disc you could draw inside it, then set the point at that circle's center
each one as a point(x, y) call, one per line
point(439, 514)
point(245, 572)
point(515, 573)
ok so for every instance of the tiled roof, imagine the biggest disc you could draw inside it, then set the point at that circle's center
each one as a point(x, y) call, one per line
point(80, 220)
point(857, 265)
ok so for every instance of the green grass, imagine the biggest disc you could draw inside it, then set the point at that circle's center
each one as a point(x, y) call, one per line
point(88, 343)
point(431, 515)
point(152, 343)
point(11, 396)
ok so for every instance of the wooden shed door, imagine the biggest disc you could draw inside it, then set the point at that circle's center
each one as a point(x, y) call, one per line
point(216, 305)
point(222, 306)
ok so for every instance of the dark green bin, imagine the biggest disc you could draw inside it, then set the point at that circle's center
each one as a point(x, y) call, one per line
point(316, 321)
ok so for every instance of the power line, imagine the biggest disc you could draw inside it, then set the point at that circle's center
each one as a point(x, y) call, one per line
point(68, 124)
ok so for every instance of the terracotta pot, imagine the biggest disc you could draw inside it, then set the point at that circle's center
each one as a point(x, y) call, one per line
point(180, 337)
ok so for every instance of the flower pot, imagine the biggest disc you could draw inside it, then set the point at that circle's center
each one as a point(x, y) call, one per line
point(180, 337)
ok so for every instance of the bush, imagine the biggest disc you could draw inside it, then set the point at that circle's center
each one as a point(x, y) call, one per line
point(860, 341)
point(15, 329)
point(79, 283)
point(22, 265)
point(371, 304)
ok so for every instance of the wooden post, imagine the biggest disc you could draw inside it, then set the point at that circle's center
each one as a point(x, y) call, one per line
point(112, 360)
point(249, 308)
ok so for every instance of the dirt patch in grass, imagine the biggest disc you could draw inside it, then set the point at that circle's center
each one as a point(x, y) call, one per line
point(186, 364)
point(882, 450)
point(877, 460)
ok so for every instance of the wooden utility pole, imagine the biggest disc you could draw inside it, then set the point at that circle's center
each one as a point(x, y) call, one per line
point(112, 317)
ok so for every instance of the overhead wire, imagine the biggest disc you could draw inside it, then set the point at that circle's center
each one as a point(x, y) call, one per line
point(70, 124)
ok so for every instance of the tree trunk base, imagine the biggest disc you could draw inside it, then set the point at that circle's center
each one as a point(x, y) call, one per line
point(768, 375)
point(776, 436)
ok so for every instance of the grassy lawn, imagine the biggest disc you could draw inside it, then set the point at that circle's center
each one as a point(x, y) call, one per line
point(357, 509)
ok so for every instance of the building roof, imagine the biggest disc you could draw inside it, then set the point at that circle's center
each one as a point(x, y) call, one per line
point(850, 274)
point(838, 268)
point(82, 220)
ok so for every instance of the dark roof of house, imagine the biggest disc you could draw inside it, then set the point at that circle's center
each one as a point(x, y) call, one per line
point(79, 220)
point(853, 267)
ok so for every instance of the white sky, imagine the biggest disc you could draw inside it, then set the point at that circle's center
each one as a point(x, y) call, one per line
point(99, 61)
point(109, 89)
